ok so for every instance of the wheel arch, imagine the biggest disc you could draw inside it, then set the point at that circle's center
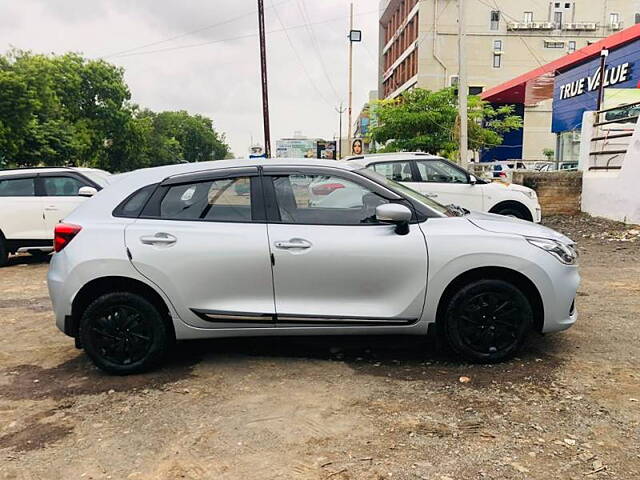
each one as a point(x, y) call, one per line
point(102, 285)
point(514, 205)
point(496, 273)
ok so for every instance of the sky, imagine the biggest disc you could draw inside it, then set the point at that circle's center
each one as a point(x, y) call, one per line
point(203, 56)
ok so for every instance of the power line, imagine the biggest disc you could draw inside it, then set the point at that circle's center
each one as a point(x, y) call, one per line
point(186, 34)
point(314, 42)
point(304, 68)
point(237, 37)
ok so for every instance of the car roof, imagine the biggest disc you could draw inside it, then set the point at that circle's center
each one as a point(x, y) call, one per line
point(391, 157)
point(35, 170)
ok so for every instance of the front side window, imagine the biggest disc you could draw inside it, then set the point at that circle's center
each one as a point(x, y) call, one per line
point(17, 187)
point(324, 200)
point(227, 200)
point(439, 171)
point(62, 186)
point(396, 171)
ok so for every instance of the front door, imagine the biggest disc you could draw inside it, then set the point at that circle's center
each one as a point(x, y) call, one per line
point(60, 198)
point(334, 264)
point(203, 241)
point(446, 184)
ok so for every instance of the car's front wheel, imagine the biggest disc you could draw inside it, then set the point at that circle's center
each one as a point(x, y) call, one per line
point(123, 333)
point(487, 321)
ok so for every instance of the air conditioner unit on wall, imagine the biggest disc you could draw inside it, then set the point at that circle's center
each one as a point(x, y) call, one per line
point(454, 80)
point(591, 26)
point(615, 25)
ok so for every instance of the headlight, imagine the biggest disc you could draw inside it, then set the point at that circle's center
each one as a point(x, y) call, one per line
point(529, 193)
point(567, 254)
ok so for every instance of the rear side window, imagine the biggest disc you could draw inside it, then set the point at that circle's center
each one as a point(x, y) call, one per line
point(225, 200)
point(17, 187)
point(133, 205)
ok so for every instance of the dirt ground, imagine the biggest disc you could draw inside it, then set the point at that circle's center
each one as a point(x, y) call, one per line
point(339, 408)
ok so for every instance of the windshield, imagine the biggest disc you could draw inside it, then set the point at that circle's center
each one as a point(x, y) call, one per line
point(100, 177)
point(408, 192)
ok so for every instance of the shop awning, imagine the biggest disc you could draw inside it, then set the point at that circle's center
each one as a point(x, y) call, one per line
point(537, 85)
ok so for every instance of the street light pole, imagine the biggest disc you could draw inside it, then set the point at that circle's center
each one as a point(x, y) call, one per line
point(340, 111)
point(463, 89)
point(265, 90)
point(350, 76)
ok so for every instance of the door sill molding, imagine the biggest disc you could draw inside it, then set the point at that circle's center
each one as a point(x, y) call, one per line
point(288, 320)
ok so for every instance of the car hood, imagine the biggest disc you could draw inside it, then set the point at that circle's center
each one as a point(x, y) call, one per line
point(501, 224)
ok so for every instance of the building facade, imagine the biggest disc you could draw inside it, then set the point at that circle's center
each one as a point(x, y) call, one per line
point(419, 47)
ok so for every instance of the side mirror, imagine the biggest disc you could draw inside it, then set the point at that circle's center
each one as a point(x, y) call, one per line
point(87, 192)
point(473, 179)
point(396, 214)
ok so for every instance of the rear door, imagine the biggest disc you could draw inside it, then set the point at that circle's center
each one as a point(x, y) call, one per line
point(334, 263)
point(202, 238)
point(21, 209)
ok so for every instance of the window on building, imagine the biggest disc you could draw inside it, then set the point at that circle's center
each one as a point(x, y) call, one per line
point(475, 90)
point(572, 46)
point(497, 45)
point(614, 18)
point(557, 5)
point(553, 44)
point(567, 5)
point(528, 17)
point(497, 60)
point(495, 20)
point(557, 19)
point(637, 18)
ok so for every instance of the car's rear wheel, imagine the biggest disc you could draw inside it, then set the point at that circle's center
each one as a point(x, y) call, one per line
point(487, 321)
point(123, 333)
point(4, 253)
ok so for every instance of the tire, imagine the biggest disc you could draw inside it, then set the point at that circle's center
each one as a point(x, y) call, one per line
point(514, 212)
point(4, 253)
point(487, 321)
point(123, 333)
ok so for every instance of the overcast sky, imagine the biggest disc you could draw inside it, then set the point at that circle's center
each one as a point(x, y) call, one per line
point(215, 71)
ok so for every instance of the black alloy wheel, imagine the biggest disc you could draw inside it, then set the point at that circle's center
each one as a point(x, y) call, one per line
point(123, 333)
point(488, 321)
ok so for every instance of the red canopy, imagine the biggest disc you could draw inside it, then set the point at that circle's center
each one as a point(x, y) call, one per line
point(537, 85)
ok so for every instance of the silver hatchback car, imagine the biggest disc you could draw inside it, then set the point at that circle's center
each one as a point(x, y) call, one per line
point(234, 248)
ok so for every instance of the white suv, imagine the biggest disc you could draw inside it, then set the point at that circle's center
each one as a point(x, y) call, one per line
point(235, 248)
point(34, 200)
point(447, 183)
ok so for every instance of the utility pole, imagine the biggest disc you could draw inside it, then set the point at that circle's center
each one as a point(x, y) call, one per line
point(349, 139)
point(463, 89)
point(265, 90)
point(340, 111)
point(604, 53)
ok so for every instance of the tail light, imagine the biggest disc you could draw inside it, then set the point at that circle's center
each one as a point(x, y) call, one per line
point(63, 234)
point(326, 189)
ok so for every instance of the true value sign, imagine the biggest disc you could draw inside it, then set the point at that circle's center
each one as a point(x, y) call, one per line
point(612, 76)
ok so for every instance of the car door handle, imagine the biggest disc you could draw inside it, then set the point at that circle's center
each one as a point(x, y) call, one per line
point(159, 239)
point(293, 244)
point(51, 209)
point(431, 195)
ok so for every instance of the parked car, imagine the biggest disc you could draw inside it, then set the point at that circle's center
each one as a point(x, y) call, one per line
point(34, 200)
point(562, 166)
point(142, 265)
point(447, 183)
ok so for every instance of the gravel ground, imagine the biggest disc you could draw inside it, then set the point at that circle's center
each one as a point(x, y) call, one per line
point(354, 408)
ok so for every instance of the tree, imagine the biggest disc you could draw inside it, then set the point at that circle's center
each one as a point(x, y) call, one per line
point(422, 120)
point(68, 110)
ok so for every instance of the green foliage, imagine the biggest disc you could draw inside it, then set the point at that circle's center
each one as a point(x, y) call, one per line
point(422, 120)
point(549, 153)
point(68, 110)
